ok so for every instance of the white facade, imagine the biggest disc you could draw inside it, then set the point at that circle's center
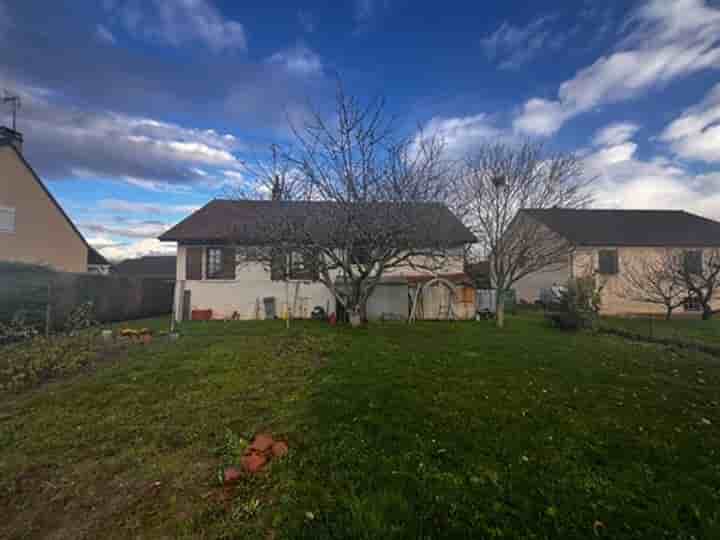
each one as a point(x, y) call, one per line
point(243, 296)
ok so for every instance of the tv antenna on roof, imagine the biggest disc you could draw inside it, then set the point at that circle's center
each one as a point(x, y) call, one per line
point(14, 101)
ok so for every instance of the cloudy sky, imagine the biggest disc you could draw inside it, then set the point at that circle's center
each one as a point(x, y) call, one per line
point(136, 112)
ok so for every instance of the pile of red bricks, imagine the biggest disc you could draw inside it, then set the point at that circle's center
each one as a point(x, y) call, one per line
point(262, 449)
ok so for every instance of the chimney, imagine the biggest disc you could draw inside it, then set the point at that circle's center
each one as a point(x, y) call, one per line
point(11, 136)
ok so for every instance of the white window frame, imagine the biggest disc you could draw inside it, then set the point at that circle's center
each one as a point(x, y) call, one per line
point(13, 224)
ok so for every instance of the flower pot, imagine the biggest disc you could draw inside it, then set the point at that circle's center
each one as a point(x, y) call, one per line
point(147, 339)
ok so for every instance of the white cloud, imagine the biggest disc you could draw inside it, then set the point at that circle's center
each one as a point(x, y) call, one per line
point(64, 142)
point(696, 133)
point(616, 133)
point(461, 134)
point(625, 181)
point(514, 46)
point(128, 229)
point(105, 35)
point(133, 207)
point(147, 246)
point(180, 22)
point(668, 39)
point(299, 60)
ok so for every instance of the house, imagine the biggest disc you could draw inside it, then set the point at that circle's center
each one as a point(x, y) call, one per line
point(97, 264)
point(149, 266)
point(211, 274)
point(606, 242)
point(33, 226)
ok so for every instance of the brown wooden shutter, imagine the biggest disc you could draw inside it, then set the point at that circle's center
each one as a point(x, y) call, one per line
point(277, 266)
point(228, 263)
point(193, 263)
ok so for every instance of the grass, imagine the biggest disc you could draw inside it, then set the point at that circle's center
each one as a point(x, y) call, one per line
point(688, 330)
point(429, 431)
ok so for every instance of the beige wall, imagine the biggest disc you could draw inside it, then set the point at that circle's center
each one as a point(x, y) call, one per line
point(528, 288)
point(616, 298)
point(42, 234)
point(253, 283)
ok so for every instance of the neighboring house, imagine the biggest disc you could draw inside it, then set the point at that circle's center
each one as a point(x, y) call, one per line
point(97, 264)
point(605, 242)
point(150, 266)
point(211, 274)
point(33, 226)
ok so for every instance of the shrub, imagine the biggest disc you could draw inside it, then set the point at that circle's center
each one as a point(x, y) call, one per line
point(578, 306)
point(39, 359)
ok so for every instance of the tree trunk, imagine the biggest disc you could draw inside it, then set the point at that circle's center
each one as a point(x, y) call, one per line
point(668, 313)
point(500, 308)
point(707, 312)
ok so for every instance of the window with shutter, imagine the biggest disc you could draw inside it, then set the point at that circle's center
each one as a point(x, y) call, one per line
point(7, 219)
point(608, 261)
point(692, 262)
point(193, 263)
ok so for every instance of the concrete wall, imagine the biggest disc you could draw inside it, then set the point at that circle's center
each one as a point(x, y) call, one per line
point(245, 293)
point(42, 234)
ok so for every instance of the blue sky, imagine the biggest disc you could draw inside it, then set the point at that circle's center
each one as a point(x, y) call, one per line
point(135, 112)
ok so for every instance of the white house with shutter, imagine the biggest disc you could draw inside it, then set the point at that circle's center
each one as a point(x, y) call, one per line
point(216, 273)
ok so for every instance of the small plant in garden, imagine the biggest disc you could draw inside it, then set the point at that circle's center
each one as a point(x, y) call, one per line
point(579, 305)
point(18, 329)
point(81, 317)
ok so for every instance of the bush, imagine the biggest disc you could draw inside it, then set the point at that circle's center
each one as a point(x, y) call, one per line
point(578, 307)
point(40, 359)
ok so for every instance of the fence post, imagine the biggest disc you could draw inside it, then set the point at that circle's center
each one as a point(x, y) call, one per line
point(48, 310)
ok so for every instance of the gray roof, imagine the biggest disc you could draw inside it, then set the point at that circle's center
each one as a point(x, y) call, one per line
point(95, 257)
point(647, 228)
point(163, 266)
point(250, 222)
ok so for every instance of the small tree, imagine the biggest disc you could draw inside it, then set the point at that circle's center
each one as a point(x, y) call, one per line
point(498, 182)
point(369, 202)
point(655, 280)
point(699, 272)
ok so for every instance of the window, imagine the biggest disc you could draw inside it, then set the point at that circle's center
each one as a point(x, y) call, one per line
point(692, 303)
point(608, 261)
point(692, 262)
point(193, 263)
point(213, 263)
point(303, 266)
point(278, 266)
point(7, 219)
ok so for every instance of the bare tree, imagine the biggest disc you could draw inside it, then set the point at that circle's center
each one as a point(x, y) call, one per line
point(699, 271)
point(655, 279)
point(367, 201)
point(498, 183)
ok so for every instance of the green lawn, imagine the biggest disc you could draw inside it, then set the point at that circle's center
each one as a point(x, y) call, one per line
point(689, 330)
point(437, 430)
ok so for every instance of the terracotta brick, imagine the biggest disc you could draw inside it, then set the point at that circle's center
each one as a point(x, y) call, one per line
point(279, 449)
point(253, 462)
point(231, 475)
point(262, 442)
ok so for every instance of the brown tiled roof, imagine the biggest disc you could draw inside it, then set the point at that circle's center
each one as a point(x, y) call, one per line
point(642, 228)
point(250, 222)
